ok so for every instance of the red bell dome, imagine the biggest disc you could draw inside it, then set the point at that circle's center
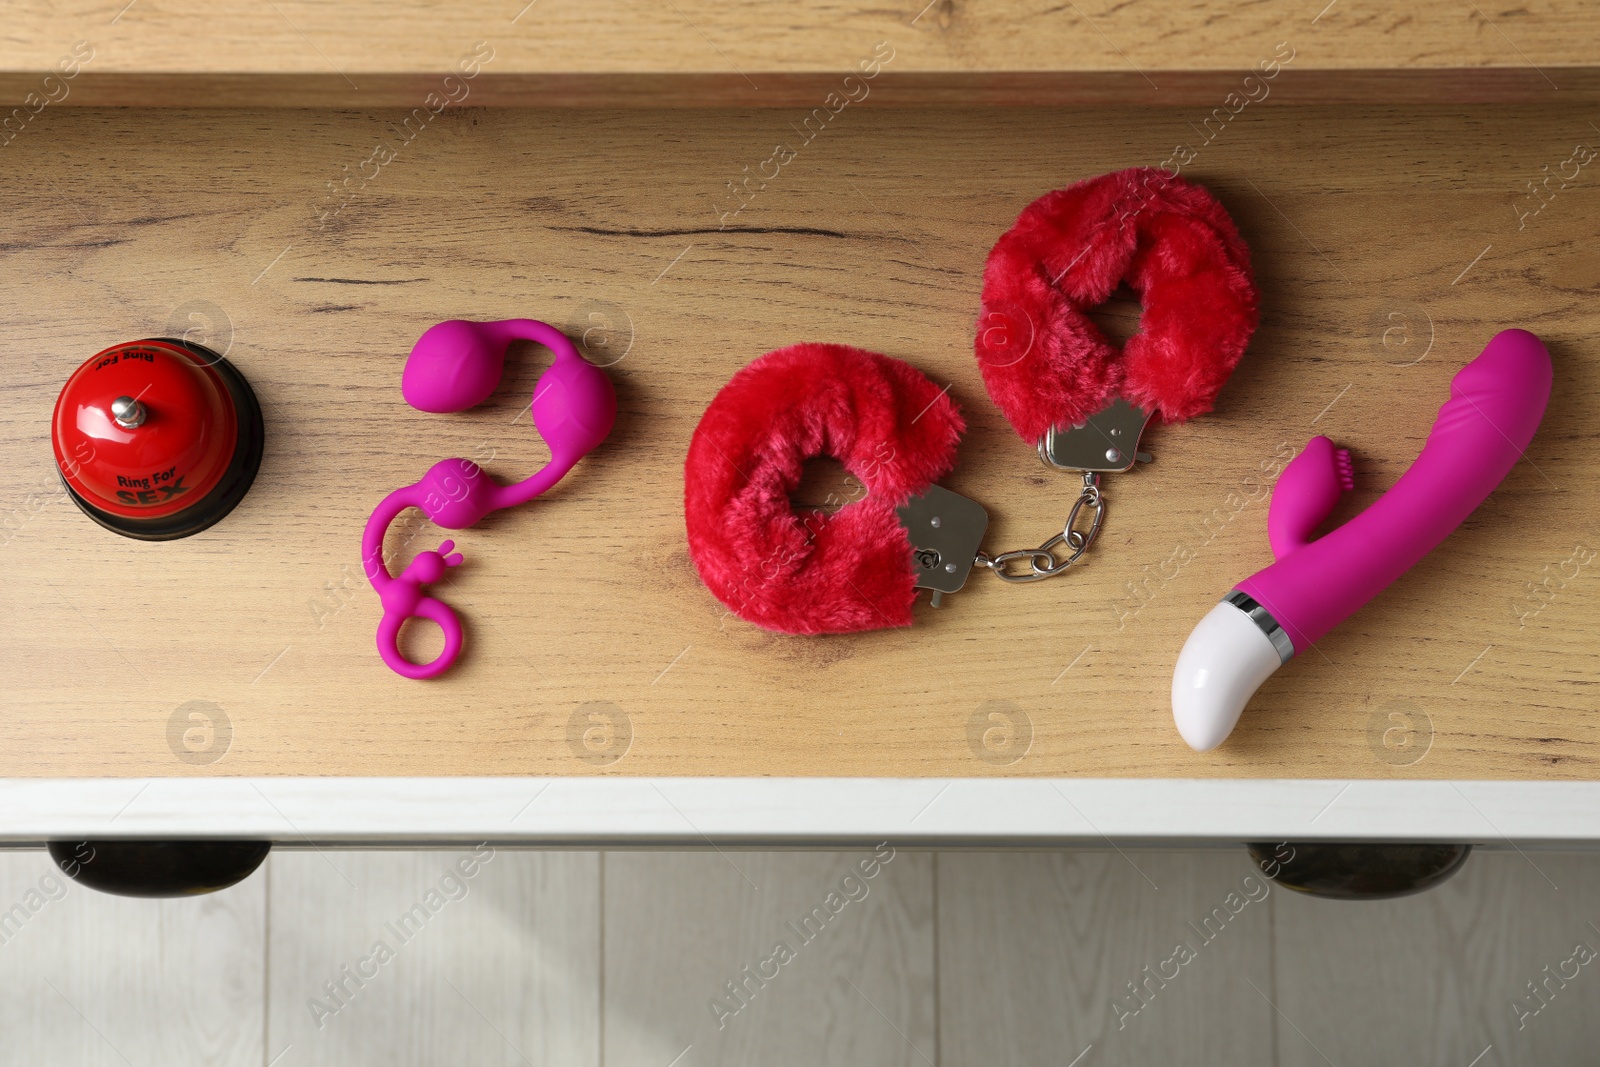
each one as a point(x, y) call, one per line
point(158, 438)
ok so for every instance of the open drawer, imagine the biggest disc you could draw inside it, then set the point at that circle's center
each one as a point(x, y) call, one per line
point(1389, 243)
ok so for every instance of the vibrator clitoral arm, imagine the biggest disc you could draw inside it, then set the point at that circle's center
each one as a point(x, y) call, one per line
point(1495, 405)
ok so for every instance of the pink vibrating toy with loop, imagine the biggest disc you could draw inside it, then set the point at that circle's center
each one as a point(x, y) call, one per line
point(1495, 405)
point(454, 366)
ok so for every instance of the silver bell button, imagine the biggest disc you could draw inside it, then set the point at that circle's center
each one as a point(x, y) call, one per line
point(946, 530)
point(128, 412)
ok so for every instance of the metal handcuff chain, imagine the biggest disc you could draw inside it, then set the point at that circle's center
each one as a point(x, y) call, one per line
point(1042, 562)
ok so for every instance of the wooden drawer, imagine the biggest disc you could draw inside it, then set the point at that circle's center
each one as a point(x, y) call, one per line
point(746, 53)
point(1387, 244)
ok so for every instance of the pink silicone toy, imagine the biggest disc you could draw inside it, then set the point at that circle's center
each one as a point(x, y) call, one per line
point(1496, 403)
point(454, 366)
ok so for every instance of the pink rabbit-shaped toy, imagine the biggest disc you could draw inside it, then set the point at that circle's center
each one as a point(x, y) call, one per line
point(1496, 403)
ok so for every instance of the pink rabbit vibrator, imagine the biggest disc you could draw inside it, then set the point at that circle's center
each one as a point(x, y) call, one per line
point(454, 366)
point(1495, 405)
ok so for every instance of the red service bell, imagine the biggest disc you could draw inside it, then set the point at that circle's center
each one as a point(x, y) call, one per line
point(157, 439)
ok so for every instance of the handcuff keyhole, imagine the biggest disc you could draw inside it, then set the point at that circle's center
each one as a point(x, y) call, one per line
point(826, 486)
point(1119, 317)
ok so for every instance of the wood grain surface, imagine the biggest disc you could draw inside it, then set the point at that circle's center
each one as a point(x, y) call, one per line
point(98, 980)
point(974, 957)
point(358, 53)
point(1447, 975)
point(856, 984)
point(1045, 957)
point(490, 956)
point(1390, 244)
point(1036, 953)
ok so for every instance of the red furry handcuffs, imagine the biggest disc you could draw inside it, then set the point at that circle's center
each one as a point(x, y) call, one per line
point(1047, 367)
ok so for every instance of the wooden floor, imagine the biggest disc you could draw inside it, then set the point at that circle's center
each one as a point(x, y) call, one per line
point(934, 959)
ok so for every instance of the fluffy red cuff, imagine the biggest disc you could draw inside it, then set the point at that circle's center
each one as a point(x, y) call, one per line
point(1046, 364)
point(814, 573)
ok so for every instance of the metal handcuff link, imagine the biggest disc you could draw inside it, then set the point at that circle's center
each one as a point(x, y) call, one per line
point(947, 529)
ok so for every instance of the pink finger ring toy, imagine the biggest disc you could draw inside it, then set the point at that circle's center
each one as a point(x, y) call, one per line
point(454, 366)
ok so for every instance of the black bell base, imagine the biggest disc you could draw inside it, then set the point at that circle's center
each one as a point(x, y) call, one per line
point(226, 494)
